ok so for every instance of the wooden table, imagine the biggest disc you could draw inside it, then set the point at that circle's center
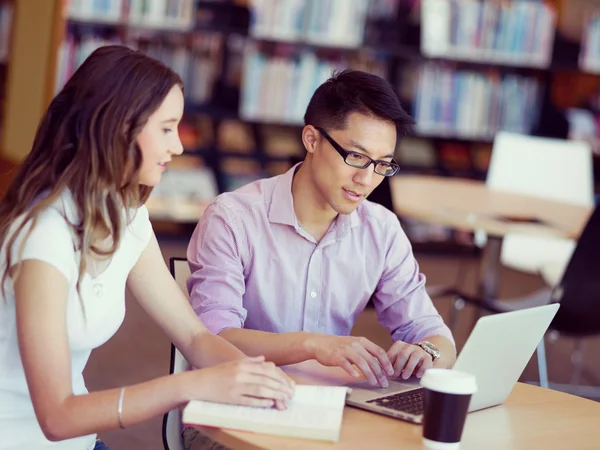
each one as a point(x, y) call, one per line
point(531, 418)
point(470, 205)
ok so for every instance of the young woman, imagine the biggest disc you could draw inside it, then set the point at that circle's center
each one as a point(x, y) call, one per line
point(73, 234)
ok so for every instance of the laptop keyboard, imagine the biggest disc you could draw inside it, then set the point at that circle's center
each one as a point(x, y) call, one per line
point(410, 402)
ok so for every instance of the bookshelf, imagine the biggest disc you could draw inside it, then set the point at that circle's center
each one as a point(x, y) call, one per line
point(518, 33)
point(464, 70)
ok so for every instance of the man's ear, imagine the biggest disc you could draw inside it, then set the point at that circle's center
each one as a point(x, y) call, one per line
point(310, 136)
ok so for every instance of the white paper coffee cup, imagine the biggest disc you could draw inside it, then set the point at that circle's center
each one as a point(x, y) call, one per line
point(447, 397)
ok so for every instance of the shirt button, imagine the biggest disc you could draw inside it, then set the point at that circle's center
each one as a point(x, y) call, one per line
point(313, 294)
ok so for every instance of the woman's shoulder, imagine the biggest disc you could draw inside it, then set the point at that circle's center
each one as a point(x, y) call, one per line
point(47, 236)
point(139, 226)
point(55, 219)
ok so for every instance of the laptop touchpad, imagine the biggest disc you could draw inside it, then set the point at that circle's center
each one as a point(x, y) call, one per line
point(396, 385)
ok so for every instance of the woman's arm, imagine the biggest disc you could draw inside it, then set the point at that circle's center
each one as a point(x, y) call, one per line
point(160, 296)
point(41, 299)
point(41, 296)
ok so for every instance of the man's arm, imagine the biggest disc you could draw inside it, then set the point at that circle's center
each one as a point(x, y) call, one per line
point(280, 348)
point(405, 308)
point(347, 352)
point(217, 285)
point(151, 284)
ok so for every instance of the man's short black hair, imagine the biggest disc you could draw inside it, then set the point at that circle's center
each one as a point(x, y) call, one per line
point(351, 91)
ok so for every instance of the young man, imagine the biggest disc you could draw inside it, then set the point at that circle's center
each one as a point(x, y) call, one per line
point(283, 266)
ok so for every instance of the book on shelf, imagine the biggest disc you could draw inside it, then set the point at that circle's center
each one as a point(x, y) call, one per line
point(108, 11)
point(72, 53)
point(336, 23)
point(160, 14)
point(512, 33)
point(173, 14)
point(589, 55)
point(195, 58)
point(474, 105)
point(6, 15)
point(383, 9)
point(315, 412)
point(277, 88)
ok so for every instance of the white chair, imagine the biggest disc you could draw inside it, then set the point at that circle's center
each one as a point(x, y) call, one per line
point(172, 429)
point(541, 167)
point(554, 169)
point(537, 254)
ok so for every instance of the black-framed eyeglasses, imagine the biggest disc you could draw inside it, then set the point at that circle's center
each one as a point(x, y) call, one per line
point(360, 161)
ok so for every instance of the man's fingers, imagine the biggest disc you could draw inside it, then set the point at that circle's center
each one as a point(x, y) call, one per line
point(401, 359)
point(415, 358)
point(380, 354)
point(360, 362)
point(348, 367)
point(366, 361)
point(426, 363)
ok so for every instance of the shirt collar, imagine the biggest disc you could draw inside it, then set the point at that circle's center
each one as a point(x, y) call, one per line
point(282, 211)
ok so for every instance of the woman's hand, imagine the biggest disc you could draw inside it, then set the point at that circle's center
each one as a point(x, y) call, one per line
point(250, 382)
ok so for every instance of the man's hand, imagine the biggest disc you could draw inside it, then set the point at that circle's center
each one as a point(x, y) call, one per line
point(349, 351)
point(409, 359)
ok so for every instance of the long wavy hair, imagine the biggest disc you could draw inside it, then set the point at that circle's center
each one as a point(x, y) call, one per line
point(86, 143)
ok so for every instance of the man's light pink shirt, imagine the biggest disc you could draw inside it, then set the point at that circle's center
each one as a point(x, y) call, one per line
point(253, 266)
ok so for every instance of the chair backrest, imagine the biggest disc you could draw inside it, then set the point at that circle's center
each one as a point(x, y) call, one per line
point(554, 169)
point(579, 289)
point(172, 420)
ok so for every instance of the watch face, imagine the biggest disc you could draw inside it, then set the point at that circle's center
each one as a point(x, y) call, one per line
point(433, 350)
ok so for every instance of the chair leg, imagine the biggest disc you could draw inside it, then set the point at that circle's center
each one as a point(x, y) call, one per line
point(542, 365)
point(577, 360)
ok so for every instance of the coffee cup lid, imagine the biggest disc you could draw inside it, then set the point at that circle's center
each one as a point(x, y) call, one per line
point(449, 381)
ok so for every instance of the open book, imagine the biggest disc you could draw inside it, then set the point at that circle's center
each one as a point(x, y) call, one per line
point(315, 412)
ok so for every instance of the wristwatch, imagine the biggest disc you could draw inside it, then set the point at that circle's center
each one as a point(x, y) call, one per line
point(430, 348)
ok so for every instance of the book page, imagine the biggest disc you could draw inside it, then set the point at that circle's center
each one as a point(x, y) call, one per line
point(312, 407)
point(325, 396)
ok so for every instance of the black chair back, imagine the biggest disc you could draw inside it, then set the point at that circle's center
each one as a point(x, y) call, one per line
point(579, 290)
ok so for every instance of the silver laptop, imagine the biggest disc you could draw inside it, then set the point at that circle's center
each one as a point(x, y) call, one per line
point(496, 352)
